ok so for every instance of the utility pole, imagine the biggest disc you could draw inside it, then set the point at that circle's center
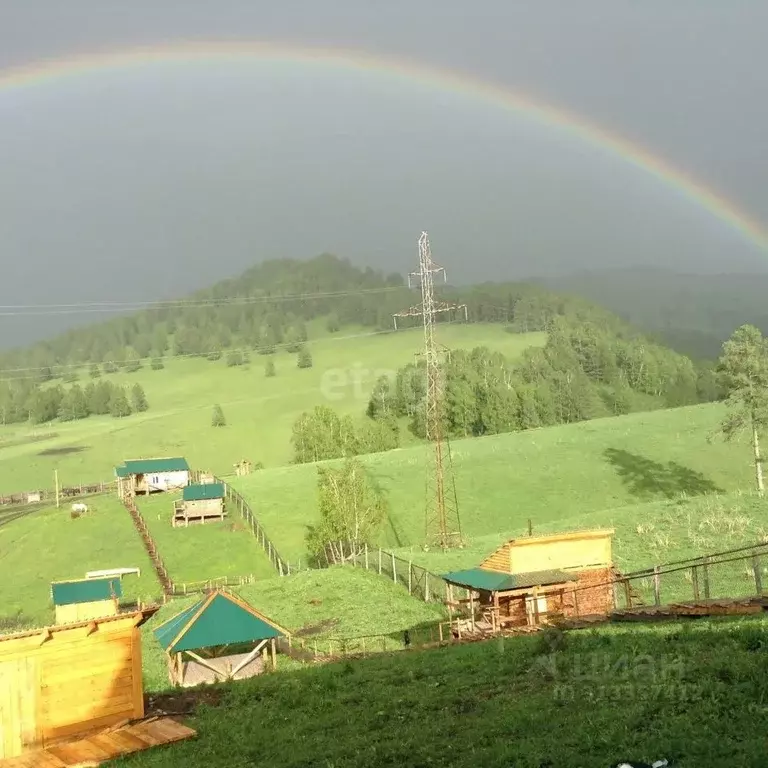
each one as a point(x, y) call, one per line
point(442, 524)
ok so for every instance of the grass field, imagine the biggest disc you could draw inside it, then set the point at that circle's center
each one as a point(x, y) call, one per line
point(654, 468)
point(201, 552)
point(47, 545)
point(338, 602)
point(694, 694)
point(260, 411)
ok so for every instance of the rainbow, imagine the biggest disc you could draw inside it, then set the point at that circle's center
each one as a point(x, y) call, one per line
point(51, 71)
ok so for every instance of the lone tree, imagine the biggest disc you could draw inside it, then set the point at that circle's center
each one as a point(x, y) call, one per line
point(743, 371)
point(269, 369)
point(304, 359)
point(217, 419)
point(352, 510)
point(119, 406)
point(138, 399)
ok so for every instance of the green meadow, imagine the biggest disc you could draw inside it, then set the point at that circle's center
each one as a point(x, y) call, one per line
point(260, 411)
point(656, 477)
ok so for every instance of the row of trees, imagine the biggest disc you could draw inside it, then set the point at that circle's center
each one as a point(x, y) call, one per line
point(585, 370)
point(39, 405)
point(323, 434)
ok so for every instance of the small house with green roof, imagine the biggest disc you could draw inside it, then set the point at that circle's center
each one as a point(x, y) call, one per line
point(199, 504)
point(145, 476)
point(530, 580)
point(84, 599)
point(220, 637)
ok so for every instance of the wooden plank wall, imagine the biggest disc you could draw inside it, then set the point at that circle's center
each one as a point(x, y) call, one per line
point(568, 553)
point(81, 682)
point(96, 609)
point(499, 561)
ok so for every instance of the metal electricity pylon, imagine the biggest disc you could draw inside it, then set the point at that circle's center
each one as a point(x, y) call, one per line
point(442, 524)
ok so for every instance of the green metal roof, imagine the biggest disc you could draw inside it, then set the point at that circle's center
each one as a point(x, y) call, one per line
point(148, 466)
point(202, 492)
point(492, 581)
point(217, 619)
point(86, 590)
point(122, 471)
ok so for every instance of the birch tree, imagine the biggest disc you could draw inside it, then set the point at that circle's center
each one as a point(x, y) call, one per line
point(743, 370)
point(352, 510)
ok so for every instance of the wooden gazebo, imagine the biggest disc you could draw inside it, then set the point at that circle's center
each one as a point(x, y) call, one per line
point(220, 637)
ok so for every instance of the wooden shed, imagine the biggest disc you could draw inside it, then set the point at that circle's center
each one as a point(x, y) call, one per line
point(199, 504)
point(57, 683)
point(84, 599)
point(529, 580)
point(147, 476)
point(220, 637)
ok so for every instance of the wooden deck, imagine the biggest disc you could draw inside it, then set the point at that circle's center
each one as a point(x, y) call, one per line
point(103, 746)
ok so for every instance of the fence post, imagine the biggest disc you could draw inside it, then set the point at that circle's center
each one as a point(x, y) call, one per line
point(410, 577)
point(379, 561)
point(394, 573)
point(705, 571)
point(366, 557)
point(627, 593)
point(426, 587)
point(695, 582)
point(656, 585)
point(758, 577)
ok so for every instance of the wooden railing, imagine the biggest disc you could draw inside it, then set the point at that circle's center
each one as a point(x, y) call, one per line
point(149, 543)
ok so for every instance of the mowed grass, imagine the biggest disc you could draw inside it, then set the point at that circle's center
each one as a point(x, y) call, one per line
point(693, 694)
point(260, 411)
point(622, 471)
point(338, 602)
point(201, 552)
point(47, 545)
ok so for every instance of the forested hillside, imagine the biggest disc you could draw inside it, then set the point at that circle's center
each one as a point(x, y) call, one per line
point(693, 314)
point(594, 363)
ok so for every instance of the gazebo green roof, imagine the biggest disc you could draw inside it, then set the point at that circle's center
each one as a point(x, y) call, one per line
point(220, 618)
point(493, 581)
point(86, 590)
point(203, 492)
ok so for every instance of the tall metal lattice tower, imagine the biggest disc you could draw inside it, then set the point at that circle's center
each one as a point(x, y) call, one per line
point(442, 523)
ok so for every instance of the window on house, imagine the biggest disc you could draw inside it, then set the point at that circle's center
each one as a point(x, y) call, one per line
point(533, 604)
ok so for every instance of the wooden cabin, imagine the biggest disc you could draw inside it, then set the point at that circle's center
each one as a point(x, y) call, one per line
point(83, 599)
point(145, 476)
point(57, 683)
point(531, 580)
point(243, 468)
point(218, 638)
point(199, 504)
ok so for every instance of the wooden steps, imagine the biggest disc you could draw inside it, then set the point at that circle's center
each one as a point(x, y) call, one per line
point(103, 746)
point(150, 546)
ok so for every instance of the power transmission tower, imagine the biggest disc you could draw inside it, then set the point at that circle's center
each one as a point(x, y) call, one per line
point(442, 524)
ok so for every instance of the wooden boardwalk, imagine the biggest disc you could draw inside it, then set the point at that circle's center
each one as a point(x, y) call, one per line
point(716, 607)
point(103, 746)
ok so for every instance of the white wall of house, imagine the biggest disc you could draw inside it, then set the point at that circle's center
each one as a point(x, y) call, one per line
point(167, 481)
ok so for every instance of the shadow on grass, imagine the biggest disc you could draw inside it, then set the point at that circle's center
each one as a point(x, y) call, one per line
point(651, 479)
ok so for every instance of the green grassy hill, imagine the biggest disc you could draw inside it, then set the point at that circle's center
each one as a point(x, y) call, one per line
point(48, 545)
point(260, 411)
point(692, 694)
point(655, 470)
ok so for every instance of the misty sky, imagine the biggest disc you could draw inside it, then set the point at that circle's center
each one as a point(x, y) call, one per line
point(148, 182)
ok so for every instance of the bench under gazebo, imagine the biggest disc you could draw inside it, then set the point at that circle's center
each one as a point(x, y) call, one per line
point(218, 638)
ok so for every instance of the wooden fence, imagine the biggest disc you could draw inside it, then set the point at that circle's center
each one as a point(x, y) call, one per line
point(49, 495)
point(729, 574)
point(162, 572)
point(282, 566)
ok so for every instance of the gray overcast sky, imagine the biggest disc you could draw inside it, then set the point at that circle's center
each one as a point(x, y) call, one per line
point(148, 182)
